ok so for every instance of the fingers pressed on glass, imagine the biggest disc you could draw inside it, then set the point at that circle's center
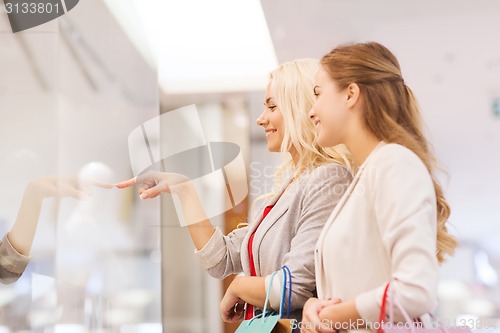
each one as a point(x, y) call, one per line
point(127, 183)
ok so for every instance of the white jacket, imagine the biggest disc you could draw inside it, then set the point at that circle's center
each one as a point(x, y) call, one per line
point(384, 227)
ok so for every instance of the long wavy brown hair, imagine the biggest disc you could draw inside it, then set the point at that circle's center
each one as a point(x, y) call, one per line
point(390, 112)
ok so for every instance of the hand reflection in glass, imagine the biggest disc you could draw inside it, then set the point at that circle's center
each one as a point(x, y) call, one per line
point(16, 245)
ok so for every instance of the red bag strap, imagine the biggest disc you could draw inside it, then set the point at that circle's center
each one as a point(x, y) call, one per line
point(382, 308)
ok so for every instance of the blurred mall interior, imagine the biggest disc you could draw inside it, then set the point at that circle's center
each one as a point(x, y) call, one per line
point(73, 90)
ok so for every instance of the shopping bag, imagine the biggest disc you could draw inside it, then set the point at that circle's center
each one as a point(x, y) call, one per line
point(270, 321)
point(264, 323)
point(409, 326)
point(284, 326)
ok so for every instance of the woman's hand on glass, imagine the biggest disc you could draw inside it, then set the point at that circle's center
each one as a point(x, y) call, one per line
point(62, 186)
point(153, 183)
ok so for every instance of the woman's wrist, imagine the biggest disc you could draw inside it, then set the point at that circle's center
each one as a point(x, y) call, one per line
point(33, 193)
point(185, 190)
point(235, 285)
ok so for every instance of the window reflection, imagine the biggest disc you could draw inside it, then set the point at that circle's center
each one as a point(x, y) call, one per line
point(69, 100)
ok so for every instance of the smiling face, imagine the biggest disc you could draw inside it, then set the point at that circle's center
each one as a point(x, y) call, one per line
point(272, 121)
point(329, 112)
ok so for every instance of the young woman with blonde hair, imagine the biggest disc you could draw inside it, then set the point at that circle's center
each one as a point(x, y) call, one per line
point(391, 223)
point(286, 223)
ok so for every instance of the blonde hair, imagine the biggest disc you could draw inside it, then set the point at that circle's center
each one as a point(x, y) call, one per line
point(292, 91)
point(390, 112)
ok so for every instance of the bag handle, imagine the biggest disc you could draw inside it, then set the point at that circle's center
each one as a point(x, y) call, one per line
point(389, 292)
point(283, 290)
point(286, 271)
point(394, 301)
point(382, 308)
point(268, 292)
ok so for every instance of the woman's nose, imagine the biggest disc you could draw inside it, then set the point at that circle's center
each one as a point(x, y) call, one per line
point(311, 114)
point(261, 121)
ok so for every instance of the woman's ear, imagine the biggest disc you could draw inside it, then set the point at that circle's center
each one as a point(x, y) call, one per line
point(353, 94)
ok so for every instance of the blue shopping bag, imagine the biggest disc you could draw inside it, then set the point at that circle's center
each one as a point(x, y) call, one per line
point(269, 321)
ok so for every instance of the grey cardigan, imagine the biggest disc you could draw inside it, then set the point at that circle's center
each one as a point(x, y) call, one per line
point(287, 236)
point(12, 263)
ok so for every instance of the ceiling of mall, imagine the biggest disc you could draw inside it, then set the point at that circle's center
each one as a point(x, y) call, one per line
point(311, 28)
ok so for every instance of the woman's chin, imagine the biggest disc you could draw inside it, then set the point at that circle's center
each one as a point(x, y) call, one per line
point(322, 142)
point(273, 148)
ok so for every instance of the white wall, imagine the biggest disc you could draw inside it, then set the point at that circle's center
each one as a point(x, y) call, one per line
point(452, 62)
